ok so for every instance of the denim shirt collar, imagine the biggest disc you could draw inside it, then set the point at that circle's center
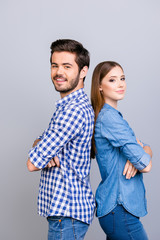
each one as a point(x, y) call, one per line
point(107, 106)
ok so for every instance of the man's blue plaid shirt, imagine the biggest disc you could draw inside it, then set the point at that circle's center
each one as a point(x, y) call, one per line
point(66, 191)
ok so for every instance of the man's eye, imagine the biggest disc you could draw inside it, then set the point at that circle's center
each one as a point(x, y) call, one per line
point(54, 66)
point(67, 67)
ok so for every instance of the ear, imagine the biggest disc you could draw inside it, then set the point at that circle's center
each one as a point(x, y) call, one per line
point(83, 72)
point(100, 88)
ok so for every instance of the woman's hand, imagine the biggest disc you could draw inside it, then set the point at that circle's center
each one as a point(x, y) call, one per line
point(148, 150)
point(129, 170)
point(139, 142)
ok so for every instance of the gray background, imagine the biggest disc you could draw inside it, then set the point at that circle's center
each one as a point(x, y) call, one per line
point(121, 30)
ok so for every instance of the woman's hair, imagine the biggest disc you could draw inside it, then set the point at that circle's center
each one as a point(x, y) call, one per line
point(97, 99)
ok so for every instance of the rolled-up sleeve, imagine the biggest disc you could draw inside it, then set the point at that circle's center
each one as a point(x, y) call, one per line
point(61, 130)
point(120, 135)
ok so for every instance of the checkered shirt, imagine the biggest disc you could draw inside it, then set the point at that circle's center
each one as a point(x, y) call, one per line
point(66, 191)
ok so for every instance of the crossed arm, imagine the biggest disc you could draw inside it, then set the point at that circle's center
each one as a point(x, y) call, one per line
point(129, 169)
point(54, 162)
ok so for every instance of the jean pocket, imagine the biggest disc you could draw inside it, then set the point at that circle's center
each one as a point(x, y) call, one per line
point(55, 228)
point(79, 229)
point(54, 223)
point(107, 223)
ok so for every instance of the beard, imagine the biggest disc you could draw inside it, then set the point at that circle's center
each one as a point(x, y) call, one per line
point(72, 84)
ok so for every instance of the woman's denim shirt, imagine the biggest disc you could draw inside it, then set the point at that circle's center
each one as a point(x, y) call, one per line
point(115, 144)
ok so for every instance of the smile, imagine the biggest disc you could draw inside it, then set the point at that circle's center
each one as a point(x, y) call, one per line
point(60, 79)
point(120, 91)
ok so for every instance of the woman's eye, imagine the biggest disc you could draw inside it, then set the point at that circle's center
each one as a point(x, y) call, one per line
point(111, 80)
point(123, 79)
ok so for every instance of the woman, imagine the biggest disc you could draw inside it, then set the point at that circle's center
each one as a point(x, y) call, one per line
point(121, 158)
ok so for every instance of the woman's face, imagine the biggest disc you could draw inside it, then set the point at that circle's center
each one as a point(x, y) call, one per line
point(113, 86)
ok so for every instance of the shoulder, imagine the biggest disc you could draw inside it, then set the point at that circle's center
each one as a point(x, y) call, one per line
point(82, 105)
point(109, 115)
point(111, 120)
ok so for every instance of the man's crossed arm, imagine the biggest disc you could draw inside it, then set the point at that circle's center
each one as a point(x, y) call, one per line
point(53, 163)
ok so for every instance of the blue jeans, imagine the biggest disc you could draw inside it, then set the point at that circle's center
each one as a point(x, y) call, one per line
point(121, 225)
point(65, 228)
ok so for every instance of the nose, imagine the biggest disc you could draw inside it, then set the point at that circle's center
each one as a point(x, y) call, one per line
point(120, 83)
point(60, 70)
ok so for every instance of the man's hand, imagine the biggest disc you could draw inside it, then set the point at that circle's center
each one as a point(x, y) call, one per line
point(30, 165)
point(54, 162)
point(129, 170)
point(35, 142)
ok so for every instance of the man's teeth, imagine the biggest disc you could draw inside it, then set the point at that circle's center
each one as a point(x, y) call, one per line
point(60, 79)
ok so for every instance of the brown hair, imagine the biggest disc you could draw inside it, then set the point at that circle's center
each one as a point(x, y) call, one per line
point(97, 99)
point(72, 46)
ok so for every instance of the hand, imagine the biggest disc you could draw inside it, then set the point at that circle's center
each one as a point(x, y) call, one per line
point(54, 162)
point(129, 170)
point(139, 142)
point(35, 142)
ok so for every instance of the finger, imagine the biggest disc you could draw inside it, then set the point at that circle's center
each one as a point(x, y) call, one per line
point(139, 142)
point(35, 142)
point(129, 171)
point(134, 172)
point(57, 162)
point(126, 168)
point(49, 165)
point(128, 175)
point(52, 162)
point(132, 169)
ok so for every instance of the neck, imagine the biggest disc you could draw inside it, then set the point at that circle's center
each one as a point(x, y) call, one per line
point(79, 86)
point(113, 104)
point(69, 92)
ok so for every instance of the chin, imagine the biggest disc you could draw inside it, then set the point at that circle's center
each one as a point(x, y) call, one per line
point(120, 98)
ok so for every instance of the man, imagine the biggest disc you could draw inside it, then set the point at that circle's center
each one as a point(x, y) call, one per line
point(62, 153)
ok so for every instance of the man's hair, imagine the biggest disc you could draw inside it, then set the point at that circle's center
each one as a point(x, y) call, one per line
point(72, 46)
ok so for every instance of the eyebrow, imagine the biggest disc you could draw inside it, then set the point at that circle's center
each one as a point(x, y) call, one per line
point(116, 76)
point(62, 64)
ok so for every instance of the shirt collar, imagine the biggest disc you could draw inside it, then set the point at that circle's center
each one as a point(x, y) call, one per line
point(70, 97)
point(106, 105)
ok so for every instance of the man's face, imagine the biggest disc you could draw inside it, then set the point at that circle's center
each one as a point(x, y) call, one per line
point(65, 73)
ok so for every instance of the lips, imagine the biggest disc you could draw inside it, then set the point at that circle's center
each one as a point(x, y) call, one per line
point(59, 78)
point(120, 91)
